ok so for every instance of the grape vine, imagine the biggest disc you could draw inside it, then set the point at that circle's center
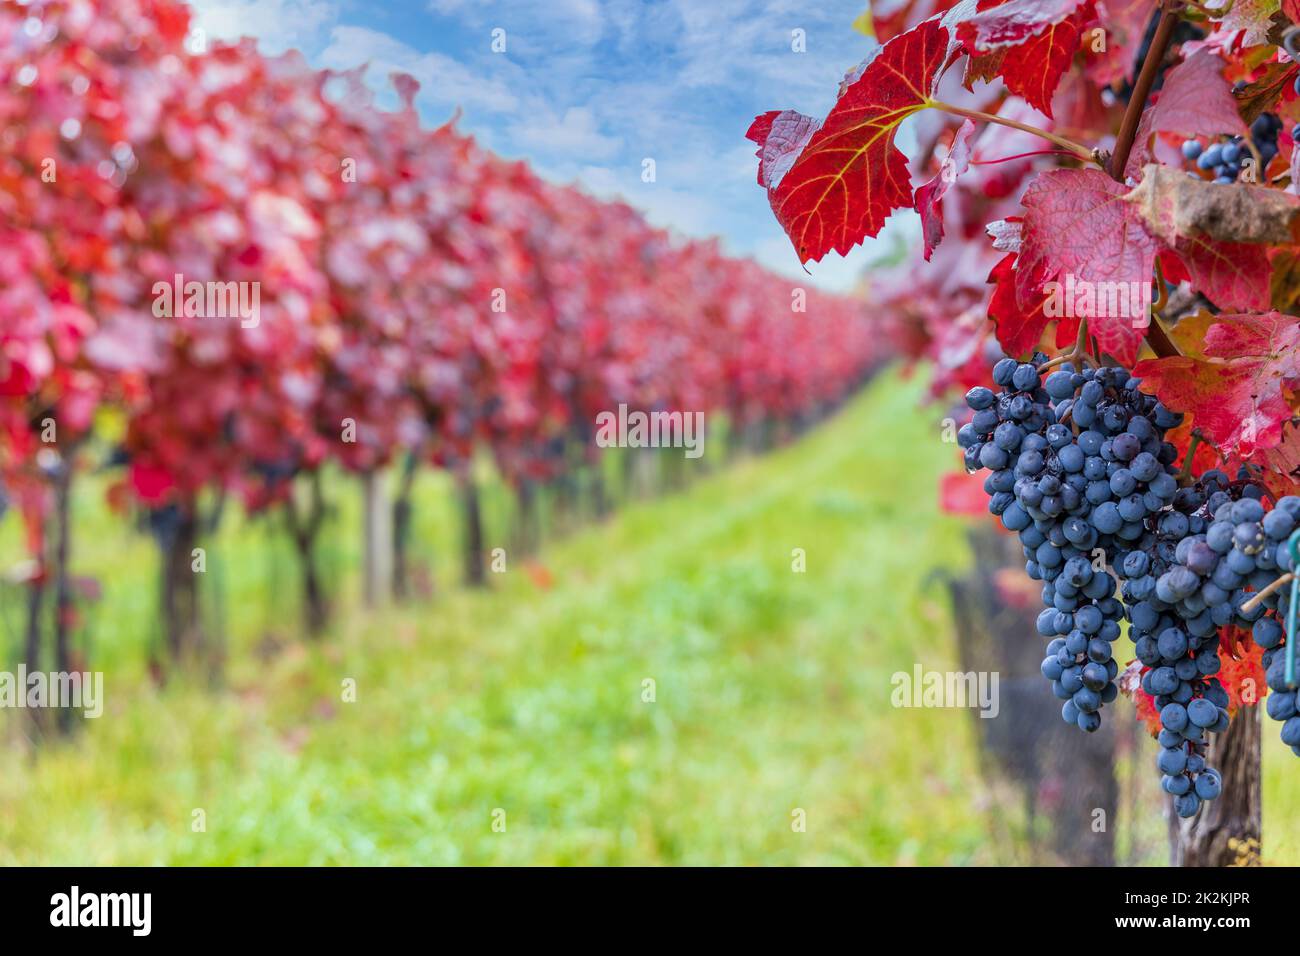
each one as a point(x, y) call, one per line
point(1148, 468)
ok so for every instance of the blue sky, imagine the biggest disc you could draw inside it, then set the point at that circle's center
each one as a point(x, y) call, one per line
point(587, 89)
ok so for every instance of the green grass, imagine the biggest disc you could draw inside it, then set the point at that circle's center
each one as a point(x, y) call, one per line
point(771, 689)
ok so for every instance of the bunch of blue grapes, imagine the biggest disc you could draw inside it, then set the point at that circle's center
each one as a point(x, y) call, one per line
point(1197, 572)
point(1080, 470)
point(1176, 637)
point(1077, 462)
point(1242, 551)
point(1224, 160)
point(1268, 632)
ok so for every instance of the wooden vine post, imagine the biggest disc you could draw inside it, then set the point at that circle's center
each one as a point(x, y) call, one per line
point(1227, 831)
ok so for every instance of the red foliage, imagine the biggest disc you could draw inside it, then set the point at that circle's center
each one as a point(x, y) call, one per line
point(1237, 393)
point(1041, 37)
point(963, 494)
point(1055, 225)
point(929, 197)
point(416, 294)
point(833, 183)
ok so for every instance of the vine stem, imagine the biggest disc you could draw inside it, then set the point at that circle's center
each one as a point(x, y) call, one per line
point(1185, 473)
point(1169, 14)
point(1160, 303)
point(1069, 145)
point(1137, 102)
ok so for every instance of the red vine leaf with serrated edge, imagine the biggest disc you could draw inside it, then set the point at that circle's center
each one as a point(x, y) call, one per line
point(889, 23)
point(1078, 226)
point(1242, 670)
point(1029, 43)
point(929, 197)
point(1238, 394)
point(834, 183)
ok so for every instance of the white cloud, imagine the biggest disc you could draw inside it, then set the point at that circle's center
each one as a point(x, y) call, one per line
point(443, 81)
point(279, 25)
point(684, 211)
point(835, 273)
point(575, 134)
point(534, 25)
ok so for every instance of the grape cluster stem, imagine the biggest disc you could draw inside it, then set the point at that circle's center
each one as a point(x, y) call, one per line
point(1079, 353)
point(1258, 599)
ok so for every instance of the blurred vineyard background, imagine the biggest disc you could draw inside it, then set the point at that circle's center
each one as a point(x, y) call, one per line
point(390, 479)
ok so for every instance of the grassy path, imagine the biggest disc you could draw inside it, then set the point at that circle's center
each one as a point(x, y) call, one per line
point(771, 694)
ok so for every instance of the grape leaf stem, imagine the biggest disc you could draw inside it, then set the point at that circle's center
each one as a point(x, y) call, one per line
point(1159, 341)
point(1034, 152)
point(1076, 149)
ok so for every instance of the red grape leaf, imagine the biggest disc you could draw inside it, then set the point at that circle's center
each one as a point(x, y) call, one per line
point(1232, 275)
point(896, 17)
point(1284, 291)
point(1262, 94)
point(1077, 227)
point(1019, 329)
point(1252, 17)
point(1195, 100)
point(983, 67)
point(1037, 40)
point(929, 197)
point(1173, 270)
point(1188, 333)
point(781, 135)
point(1014, 22)
point(1282, 460)
point(1242, 670)
point(1238, 395)
point(833, 184)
